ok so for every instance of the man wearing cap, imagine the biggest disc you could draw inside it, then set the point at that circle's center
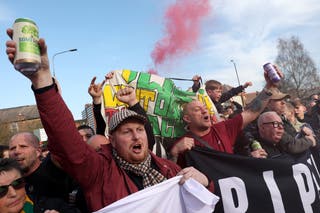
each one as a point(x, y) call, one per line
point(277, 102)
point(122, 167)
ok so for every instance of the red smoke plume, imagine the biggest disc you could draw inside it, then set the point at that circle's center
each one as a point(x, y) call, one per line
point(182, 29)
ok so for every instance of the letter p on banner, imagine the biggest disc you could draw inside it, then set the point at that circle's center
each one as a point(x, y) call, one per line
point(231, 185)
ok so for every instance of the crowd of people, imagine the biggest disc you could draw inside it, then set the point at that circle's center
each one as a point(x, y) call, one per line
point(86, 170)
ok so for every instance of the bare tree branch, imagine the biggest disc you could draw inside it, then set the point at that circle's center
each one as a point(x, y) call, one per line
point(301, 74)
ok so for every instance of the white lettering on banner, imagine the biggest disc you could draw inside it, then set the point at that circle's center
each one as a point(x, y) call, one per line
point(302, 176)
point(274, 191)
point(315, 175)
point(235, 199)
point(317, 185)
point(312, 162)
point(227, 185)
point(161, 105)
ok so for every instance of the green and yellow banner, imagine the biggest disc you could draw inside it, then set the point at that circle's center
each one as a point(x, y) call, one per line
point(160, 98)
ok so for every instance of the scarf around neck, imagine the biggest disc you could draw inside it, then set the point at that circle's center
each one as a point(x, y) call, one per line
point(28, 206)
point(149, 175)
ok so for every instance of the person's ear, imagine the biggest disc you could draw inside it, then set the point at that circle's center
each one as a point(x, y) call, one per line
point(304, 108)
point(38, 152)
point(186, 119)
point(112, 141)
point(209, 91)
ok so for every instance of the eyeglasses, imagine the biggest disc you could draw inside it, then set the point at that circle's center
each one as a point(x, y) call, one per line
point(275, 124)
point(16, 184)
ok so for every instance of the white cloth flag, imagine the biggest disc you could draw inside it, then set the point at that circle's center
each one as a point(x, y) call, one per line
point(167, 197)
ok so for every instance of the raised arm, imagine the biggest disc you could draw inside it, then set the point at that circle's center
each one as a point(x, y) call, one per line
point(95, 91)
point(128, 95)
point(253, 110)
point(64, 141)
point(233, 92)
point(196, 83)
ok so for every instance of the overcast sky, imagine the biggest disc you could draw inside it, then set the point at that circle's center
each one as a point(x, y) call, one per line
point(123, 34)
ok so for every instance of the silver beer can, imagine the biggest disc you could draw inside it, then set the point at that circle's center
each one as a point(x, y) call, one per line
point(26, 36)
point(272, 72)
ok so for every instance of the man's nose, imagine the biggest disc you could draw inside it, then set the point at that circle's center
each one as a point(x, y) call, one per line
point(84, 138)
point(11, 191)
point(135, 134)
point(17, 151)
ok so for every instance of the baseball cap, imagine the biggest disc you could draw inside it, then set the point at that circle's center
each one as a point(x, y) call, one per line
point(278, 95)
point(122, 115)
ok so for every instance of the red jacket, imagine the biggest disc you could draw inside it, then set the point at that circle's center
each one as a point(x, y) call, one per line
point(222, 137)
point(102, 181)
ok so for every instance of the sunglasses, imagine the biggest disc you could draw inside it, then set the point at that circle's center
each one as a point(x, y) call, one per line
point(16, 184)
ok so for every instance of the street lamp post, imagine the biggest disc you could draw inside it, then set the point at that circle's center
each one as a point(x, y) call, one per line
point(58, 53)
point(235, 69)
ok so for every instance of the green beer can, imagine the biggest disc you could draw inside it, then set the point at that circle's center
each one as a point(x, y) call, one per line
point(255, 145)
point(26, 36)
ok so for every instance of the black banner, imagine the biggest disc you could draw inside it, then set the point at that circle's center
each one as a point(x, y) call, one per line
point(246, 184)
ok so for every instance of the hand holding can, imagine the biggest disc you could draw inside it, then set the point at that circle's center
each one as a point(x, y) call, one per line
point(272, 73)
point(255, 145)
point(26, 35)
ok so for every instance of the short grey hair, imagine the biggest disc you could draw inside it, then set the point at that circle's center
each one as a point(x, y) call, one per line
point(33, 139)
point(263, 117)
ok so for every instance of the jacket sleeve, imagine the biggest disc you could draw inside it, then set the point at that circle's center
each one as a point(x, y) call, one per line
point(238, 106)
point(294, 145)
point(229, 94)
point(138, 109)
point(100, 123)
point(64, 140)
point(195, 87)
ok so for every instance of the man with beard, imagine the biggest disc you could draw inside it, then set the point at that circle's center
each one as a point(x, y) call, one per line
point(123, 167)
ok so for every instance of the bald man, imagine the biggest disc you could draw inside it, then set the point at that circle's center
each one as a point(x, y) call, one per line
point(96, 141)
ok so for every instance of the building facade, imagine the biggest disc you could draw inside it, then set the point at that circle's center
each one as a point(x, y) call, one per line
point(88, 116)
point(22, 119)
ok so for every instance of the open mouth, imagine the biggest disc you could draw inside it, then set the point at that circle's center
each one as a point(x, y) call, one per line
point(137, 147)
point(19, 160)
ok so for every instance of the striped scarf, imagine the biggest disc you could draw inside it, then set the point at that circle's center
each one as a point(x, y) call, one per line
point(149, 175)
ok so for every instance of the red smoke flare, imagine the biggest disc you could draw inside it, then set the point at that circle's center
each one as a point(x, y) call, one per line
point(182, 29)
point(152, 71)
